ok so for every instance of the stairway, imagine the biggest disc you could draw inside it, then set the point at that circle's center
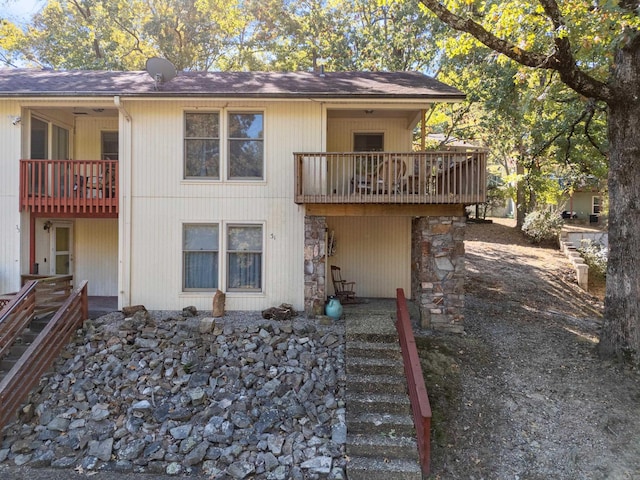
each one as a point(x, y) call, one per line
point(381, 442)
point(22, 343)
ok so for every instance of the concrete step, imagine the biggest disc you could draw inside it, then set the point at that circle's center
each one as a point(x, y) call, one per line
point(38, 323)
point(381, 446)
point(366, 468)
point(7, 363)
point(17, 350)
point(371, 337)
point(28, 336)
point(373, 350)
point(380, 423)
point(374, 366)
point(360, 402)
point(376, 383)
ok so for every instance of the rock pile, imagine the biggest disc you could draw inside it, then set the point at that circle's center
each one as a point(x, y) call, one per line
point(239, 397)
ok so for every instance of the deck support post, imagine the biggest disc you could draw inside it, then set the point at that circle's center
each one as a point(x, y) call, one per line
point(315, 231)
point(437, 271)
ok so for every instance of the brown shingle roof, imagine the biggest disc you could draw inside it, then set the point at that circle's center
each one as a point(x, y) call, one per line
point(74, 83)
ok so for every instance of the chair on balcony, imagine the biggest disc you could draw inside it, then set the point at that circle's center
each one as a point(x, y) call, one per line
point(344, 290)
point(389, 177)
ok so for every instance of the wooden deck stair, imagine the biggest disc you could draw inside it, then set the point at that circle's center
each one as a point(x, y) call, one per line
point(22, 343)
point(381, 442)
point(25, 355)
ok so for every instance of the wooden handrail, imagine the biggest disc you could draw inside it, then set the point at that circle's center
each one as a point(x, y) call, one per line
point(69, 186)
point(15, 317)
point(435, 177)
point(420, 405)
point(39, 356)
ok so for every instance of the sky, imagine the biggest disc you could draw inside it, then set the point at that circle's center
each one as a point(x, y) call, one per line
point(19, 11)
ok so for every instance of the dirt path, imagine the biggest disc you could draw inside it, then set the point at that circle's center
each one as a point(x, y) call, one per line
point(523, 395)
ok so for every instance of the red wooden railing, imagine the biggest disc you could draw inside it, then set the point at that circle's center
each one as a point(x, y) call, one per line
point(69, 186)
point(39, 356)
point(415, 382)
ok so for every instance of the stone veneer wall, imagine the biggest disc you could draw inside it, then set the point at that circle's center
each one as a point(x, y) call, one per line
point(314, 264)
point(437, 271)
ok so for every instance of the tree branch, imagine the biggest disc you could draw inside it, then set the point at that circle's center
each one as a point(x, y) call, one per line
point(561, 60)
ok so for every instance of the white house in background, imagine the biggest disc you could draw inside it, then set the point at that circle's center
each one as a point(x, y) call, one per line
point(162, 193)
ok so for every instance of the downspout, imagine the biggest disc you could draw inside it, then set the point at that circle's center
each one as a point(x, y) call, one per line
point(32, 244)
point(125, 214)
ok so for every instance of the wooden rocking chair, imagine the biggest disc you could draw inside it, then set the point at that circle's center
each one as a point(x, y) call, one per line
point(345, 291)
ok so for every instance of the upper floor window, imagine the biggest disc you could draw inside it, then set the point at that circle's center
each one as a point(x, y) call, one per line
point(246, 146)
point(202, 145)
point(109, 146)
point(368, 142)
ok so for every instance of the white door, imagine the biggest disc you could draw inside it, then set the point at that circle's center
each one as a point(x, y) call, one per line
point(61, 249)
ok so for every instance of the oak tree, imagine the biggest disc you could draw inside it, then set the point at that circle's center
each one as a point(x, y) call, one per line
point(594, 46)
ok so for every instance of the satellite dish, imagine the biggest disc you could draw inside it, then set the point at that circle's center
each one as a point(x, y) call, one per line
point(161, 70)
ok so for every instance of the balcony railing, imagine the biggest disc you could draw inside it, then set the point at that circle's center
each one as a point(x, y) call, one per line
point(69, 186)
point(384, 177)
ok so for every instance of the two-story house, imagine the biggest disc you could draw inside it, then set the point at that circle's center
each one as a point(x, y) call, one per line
point(160, 193)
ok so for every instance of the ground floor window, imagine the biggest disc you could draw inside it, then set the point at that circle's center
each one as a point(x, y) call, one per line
point(595, 205)
point(200, 246)
point(244, 257)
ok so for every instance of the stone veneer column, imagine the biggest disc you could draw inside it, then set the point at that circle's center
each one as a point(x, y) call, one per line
point(437, 271)
point(314, 264)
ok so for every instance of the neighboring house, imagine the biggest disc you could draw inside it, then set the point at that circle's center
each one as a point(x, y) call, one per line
point(161, 193)
point(584, 201)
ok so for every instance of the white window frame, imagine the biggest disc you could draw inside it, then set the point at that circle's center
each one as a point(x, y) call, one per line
point(109, 155)
point(184, 251)
point(227, 140)
point(227, 252)
point(219, 138)
point(596, 201)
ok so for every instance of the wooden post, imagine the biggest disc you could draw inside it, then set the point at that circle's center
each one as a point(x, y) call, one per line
point(423, 129)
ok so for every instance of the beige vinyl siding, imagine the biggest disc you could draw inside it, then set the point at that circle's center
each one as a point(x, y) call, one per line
point(94, 250)
point(96, 254)
point(397, 137)
point(375, 252)
point(11, 224)
point(88, 140)
point(162, 201)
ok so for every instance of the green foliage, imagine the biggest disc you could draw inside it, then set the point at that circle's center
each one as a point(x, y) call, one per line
point(595, 255)
point(225, 35)
point(542, 225)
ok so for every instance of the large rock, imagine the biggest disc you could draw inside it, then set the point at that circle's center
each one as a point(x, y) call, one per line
point(217, 310)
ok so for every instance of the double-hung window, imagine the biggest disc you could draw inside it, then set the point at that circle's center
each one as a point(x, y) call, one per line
point(200, 247)
point(244, 258)
point(246, 146)
point(202, 145)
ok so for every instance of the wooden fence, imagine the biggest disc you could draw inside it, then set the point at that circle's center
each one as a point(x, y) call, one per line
point(415, 382)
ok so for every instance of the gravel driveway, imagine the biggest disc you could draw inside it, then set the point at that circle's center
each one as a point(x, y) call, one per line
point(523, 394)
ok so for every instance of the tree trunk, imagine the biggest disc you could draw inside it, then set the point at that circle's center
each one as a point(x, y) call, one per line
point(620, 337)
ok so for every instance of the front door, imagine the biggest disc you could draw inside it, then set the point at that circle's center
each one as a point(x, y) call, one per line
point(61, 249)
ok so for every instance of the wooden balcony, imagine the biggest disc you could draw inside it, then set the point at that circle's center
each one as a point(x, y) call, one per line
point(74, 187)
point(391, 178)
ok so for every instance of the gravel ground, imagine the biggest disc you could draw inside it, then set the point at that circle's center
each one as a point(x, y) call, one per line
point(523, 394)
point(161, 393)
